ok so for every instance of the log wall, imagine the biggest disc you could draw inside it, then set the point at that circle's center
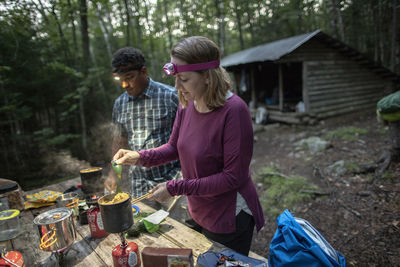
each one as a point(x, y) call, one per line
point(334, 83)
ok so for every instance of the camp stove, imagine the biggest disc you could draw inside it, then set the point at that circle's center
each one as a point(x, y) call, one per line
point(125, 254)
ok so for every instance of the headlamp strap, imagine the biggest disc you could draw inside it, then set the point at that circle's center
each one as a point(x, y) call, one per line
point(198, 66)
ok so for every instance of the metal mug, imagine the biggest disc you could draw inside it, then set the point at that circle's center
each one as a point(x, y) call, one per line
point(116, 217)
point(69, 200)
point(56, 228)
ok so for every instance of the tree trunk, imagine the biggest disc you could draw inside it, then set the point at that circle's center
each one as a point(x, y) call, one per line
point(336, 20)
point(395, 32)
point(85, 70)
point(100, 84)
point(138, 26)
point(151, 54)
point(249, 16)
point(64, 43)
point(104, 31)
point(167, 20)
point(239, 23)
point(299, 8)
point(219, 5)
point(184, 13)
point(128, 23)
point(75, 42)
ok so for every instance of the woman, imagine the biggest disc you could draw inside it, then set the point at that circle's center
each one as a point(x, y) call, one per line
point(213, 139)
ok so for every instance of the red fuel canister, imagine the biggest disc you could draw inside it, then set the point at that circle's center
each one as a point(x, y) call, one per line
point(126, 255)
point(11, 258)
point(95, 223)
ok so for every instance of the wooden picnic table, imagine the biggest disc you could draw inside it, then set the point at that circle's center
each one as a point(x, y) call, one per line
point(87, 251)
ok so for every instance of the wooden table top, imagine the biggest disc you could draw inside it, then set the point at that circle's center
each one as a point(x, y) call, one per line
point(87, 251)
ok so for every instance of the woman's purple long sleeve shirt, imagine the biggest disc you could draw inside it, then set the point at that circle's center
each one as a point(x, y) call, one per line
point(215, 151)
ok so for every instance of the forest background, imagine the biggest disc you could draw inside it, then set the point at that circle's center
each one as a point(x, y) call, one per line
point(56, 82)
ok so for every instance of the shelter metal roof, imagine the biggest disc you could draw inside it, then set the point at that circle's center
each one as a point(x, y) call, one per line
point(267, 52)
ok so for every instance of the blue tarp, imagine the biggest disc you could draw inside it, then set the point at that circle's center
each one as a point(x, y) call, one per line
point(297, 243)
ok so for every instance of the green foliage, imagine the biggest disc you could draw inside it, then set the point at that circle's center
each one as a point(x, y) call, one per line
point(46, 137)
point(351, 166)
point(383, 130)
point(282, 192)
point(388, 175)
point(345, 133)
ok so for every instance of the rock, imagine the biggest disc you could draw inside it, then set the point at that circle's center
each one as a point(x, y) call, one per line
point(336, 168)
point(313, 144)
point(364, 193)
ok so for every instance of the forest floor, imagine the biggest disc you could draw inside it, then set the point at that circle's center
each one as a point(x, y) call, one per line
point(360, 217)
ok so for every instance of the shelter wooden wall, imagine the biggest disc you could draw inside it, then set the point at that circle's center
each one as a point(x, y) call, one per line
point(334, 83)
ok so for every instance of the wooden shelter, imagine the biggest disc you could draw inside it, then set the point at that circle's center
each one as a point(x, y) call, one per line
point(308, 77)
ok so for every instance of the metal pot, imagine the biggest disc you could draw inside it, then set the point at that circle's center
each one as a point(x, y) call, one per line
point(116, 217)
point(92, 181)
point(57, 229)
point(69, 200)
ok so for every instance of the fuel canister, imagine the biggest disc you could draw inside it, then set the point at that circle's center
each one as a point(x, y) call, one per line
point(126, 255)
point(11, 258)
point(95, 223)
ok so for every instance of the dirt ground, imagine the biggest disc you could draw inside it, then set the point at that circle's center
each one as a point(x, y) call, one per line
point(360, 217)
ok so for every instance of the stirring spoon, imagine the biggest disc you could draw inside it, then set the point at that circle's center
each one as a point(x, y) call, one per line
point(118, 171)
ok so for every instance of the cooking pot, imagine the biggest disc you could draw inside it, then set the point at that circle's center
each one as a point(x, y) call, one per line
point(57, 229)
point(92, 181)
point(69, 200)
point(116, 217)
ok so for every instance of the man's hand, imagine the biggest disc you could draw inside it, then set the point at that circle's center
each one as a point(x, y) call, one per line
point(110, 183)
point(126, 157)
point(160, 193)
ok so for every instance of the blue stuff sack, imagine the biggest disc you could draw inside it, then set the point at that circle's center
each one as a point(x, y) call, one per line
point(297, 243)
point(210, 259)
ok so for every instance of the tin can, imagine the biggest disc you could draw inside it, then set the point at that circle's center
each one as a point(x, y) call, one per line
point(12, 258)
point(95, 223)
point(126, 255)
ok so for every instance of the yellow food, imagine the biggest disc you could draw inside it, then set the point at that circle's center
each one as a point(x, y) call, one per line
point(90, 170)
point(120, 197)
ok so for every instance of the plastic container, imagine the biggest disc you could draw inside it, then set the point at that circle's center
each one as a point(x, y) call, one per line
point(9, 224)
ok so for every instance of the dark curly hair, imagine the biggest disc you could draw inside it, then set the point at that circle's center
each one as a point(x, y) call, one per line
point(126, 59)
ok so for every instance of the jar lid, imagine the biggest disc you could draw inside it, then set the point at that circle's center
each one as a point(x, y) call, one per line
point(8, 214)
point(8, 187)
point(52, 216)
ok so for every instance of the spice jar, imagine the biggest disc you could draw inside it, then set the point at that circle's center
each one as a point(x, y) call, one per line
point(10, 195)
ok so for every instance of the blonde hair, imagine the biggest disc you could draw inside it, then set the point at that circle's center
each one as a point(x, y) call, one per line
point(198, 49)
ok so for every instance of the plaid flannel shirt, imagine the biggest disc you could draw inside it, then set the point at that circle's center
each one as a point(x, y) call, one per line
point(147, 122)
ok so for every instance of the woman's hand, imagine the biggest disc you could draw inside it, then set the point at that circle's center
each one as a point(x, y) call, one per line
point(160, 193)
point(126, 157)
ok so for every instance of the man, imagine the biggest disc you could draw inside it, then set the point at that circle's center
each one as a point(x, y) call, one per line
point(143, 117)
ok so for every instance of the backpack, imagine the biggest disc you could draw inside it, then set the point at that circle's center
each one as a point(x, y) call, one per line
point(297, 243)
point(389, 103)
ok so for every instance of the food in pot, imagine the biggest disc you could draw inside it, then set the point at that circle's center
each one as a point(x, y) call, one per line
point(120, 197)
point(90, 170)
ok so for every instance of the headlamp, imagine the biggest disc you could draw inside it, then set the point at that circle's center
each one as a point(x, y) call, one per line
point(119, 71)
point(172, 69)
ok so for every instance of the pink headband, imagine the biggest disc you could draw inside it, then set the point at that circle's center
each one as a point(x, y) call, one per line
point(172, 69)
